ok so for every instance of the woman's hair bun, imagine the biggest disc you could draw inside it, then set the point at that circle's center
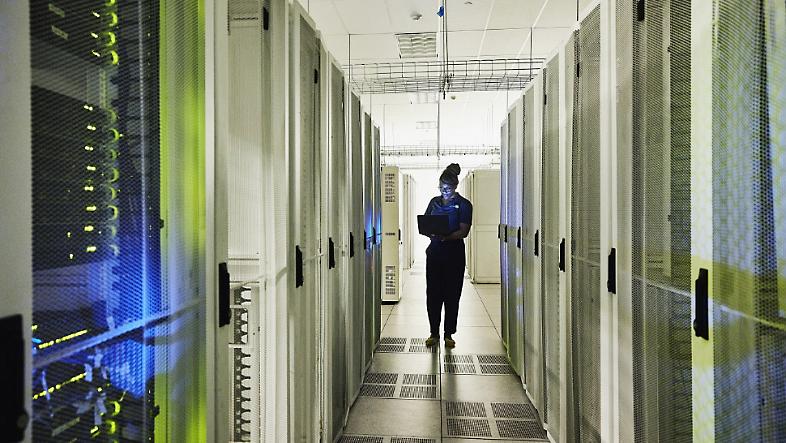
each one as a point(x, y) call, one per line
point(453, 168)
point(450, 174)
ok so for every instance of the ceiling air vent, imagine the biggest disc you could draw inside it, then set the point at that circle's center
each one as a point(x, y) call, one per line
point(417, 45)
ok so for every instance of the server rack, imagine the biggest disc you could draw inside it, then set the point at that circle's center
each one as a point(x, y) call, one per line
point(369, 224)
point(356, 327)
point(393, 206)
point(503, 235)
point(305, 179)
point(516, 237)
point(117, 292)
point(408, 227)
point(335, 298)
point(532, 243)
point(377, 168)
point(552, 262)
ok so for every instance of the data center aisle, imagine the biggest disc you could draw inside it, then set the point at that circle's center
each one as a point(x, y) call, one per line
point(467, 394)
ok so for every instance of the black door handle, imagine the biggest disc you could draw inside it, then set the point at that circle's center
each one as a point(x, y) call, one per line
point(224, 313)
point(562, 255)
point(365, 240)
point(537, 243)
point(351, 245)
point(506, 233)
point(298, 267)
point(611, 282)
point(701, 324)
point(518, 238)
point(331, 253)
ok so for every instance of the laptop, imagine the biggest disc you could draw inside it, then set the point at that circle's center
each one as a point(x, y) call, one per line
point(433, 224)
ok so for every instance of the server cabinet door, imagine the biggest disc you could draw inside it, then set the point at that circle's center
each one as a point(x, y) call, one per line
point(585, 233)
point(305, 175)
point(502, 234)
point(745, 311)
point(356, 325)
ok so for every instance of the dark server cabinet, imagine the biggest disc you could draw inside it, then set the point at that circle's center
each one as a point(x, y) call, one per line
point(106, 326)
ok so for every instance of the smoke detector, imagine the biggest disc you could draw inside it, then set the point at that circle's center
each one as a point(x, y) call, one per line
point(415, 16)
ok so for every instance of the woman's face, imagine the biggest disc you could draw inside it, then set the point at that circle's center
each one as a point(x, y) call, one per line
point(447, 190)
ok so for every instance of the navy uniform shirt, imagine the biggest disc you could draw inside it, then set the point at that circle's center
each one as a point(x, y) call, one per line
point(458, 210)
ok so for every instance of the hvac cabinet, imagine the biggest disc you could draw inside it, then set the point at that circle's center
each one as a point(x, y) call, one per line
point(482, 189)
point(392, 207)
point(407, 220)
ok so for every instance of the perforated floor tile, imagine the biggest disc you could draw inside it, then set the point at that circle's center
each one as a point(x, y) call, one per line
point(514, 410)
point(493, 359)
point(496, 369)
point(360, 439)
point(468, 427)
point(381, 378)
point(390, 348)
point(423, 349)
point(377, 390)
point(465, 409)
point(520, 429)
point(412, 440)
point(424, 392)
point(393, 341)
point(420, 379)
point(455, 368)
point(456, 358)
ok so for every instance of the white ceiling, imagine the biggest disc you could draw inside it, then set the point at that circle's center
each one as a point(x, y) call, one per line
point(483, 29)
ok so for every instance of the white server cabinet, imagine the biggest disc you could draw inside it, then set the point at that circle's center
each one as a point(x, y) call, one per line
point(516, 235)
point(502, 233)
point(392, 208)
point(585, 233)
point(531, 243)
point(552, 251)
point(370, 236)
point(336, 294)
point(377, 168)
point(305, 226)
point(357, 242)
point(483, 191)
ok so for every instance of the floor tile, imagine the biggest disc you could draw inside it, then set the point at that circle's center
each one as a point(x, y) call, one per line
point(374, 416)
point(405, 363)
point(501, 388)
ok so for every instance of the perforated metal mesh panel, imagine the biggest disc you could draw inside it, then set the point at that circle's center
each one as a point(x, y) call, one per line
point(491, 359)
point(110, 115)
point(411, 440)
point(465, 409)
point(585, 231)
point(749, 331)
point(503, 245)
point(496, 369)
point(420, 379)
point(393, 341)
point(514, 410)
point(661, 214)
point(456, 358)
point(468, 427)
point(550, 240)
point(515, 228)
point(520, 429)
point(360, 439)
point(357, 261)
point(459, 368)
point(424, 392)
point(384, 378)
point(378, 391)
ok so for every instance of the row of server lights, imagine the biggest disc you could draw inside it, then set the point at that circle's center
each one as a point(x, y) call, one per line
point(192, 224)
point(299, 234)
point(643, 226)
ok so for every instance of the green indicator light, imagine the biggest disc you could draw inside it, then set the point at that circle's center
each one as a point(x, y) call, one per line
point(91, 249)
point(68, 234)
point(91, 128)
point(89, 148)
point(89, 188)
point(114, 212)
point(115, 133)
point(89, 228)
point(88, 107)
point(91, 208)
point(115, 57)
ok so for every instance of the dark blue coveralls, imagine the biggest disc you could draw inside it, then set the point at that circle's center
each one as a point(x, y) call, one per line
point(445, 263)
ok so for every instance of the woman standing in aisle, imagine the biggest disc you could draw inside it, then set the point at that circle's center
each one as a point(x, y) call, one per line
point(445, 257)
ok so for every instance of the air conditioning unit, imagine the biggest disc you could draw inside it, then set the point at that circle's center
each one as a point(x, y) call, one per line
point(391, 234)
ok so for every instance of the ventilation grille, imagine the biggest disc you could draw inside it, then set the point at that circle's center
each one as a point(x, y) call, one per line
point(411, 440)
point(496, 369)
point(468, 427)
point(390, 348)
point(460, 368)
point(393, 341)
point(381, 378)
point(420, 379)
point(514, 410)
point(417, 45)
point(377, 390)
point(520, 429)
point(423, 349)
point(391, 279)
point(453, 358)
point(429, 392)
point(360, 439)
point(390, 187)
point(493, 359)
point(465, 409)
